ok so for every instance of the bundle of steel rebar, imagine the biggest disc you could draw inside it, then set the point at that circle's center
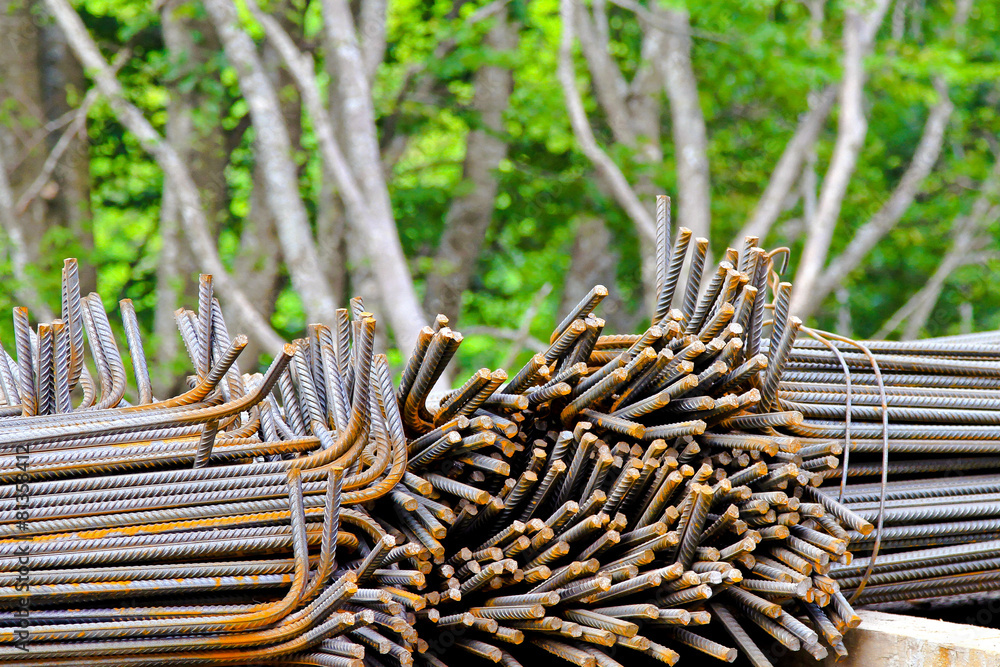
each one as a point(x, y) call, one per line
point(625, 490)
point(618, 496)
point(198, 529)
point(926, 413)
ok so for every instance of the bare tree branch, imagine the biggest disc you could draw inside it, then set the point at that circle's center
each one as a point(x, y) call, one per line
point(77, 124)
point(816, 11)
point(605, 166)
point(170, 261)
point(192, 215)
point(859, 32)
point(968, 236)
point(632, 110)
point(924, 157)
point(609, 84)
point(787, 171)
point(169, 284)
point(522, 337)
point(372, 26)
point(52, 160)
point(377, 234)
point(418, 85)
point(917, 310)
point(601, 24)
point(655, 21)
point(368, 218)
point(200, 151)
point(486, 11)
point(19, 259)
point(302, 70)
point(687, 123)
point(274, 151)
point(644, 103)
point(902, 197)
point(357, 207)
point(470, 214)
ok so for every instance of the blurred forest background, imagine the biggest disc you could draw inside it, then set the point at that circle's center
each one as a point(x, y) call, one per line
point(493, 160)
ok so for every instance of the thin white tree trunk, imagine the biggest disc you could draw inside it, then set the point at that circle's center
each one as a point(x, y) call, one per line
point(358, 207)
point(610, 88)
point(605, 166)
point(274, 151)
point(377, 232)
point(924, 157)
point(687, 124)
point(631, 110)
point(859, 32)
point(172, 271)
point(866, 238)
point(644, 106)
point(470, 214)
point(169, 280)
point(192, 214)
point(787, 171)
point(24, 290)
point(61, 76)
point(372, 23)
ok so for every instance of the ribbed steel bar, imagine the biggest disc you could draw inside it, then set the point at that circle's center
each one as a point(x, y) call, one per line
point(613, 495)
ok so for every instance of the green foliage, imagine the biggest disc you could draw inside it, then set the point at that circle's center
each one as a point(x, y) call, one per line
point(756, 64)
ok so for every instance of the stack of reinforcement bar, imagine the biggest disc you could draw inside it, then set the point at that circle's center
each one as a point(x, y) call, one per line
point(618, 497)
point(633, 497)
point(934, 409)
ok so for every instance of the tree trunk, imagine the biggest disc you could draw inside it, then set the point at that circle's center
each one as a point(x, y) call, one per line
point(71, 206)
point(205, 152)
point(865, 239)
point(22, 142)
point(687, 123)
point(258, 262)
point(274, 151)
point(377, 231)
point(645, 109)
point(606, 169)
point(13, 225)
point(859, 31)
point(371, 20)
point(174, 167)
point(170, 280)
point(593, 262)
point(787, 171)
point(924, 157)
point(632, 110)
point(470, 214)
point(331, 236)
point(259, 256)
point(609, 85)
point(173, 268)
